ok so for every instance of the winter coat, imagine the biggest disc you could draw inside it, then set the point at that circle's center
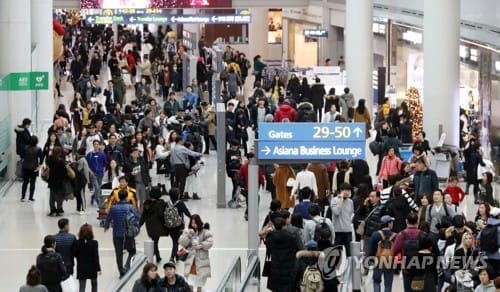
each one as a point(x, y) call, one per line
point(87, 259)
point(372, 223)
point(129, 166)
point(32, 157)
point(281, 175)
point(294, 87)
point(285, 111)
point(390, 166)
point(282, 246)
point(57, 173)
point(199, 257)
point(152, 215)
point(425, 182)
point(153, 286)
point(322, 181)
point(398, 208)
point(233, 82)
point(332, 99)
point(364, 118)
point(52, 270)
point(317, 95)
point(23, 138)
point(305, 113)
point(306, 258)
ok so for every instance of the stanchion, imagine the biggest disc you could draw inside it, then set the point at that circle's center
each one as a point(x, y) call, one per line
point(355, 268)
point(149, 250)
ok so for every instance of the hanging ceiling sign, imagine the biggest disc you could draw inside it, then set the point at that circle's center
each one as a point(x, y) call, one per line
point(89, 4)
point(168, 19)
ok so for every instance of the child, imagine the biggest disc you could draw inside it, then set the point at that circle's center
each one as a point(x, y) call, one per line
point(456, 192)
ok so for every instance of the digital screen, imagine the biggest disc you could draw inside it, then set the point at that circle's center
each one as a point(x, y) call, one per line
point(92, 4)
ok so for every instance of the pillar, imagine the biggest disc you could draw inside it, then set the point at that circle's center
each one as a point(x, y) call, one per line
point(325, 44)
point(359, 49)
point(441, 70)
point(193, 28)
point(15, 32)
point(257, 33)
point(41, 37)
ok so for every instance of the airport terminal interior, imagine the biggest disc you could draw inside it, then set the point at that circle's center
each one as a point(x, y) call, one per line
point(370, 113)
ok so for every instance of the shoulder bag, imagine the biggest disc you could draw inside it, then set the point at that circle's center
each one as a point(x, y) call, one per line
point(361, 227)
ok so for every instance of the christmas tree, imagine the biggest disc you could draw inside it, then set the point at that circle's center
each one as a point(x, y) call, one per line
point(416, 111)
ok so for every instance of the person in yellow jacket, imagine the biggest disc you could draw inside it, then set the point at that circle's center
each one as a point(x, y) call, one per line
point(113, 198)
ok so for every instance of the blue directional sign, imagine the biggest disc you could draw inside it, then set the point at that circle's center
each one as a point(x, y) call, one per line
point(168, 19)
point(311, 141)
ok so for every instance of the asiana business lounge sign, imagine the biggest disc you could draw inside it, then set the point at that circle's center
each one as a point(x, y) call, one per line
point(93, 4)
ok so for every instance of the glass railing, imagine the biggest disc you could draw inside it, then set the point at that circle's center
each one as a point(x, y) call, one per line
point(251, 279)
point(232, 277)
point(126, 283)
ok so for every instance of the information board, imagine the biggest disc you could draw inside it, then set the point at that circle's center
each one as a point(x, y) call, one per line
point(311, 141)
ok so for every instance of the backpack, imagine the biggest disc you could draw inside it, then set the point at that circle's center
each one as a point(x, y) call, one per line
point(80, 179)
point(312, 280)
point(385, 252)
point(488, 240)
point(171, 216)
point(132, 227)
point(410, 246)
point(321, 227)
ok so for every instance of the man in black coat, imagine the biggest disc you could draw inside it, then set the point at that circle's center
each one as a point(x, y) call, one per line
point(282, 246)
point(23, 136)
point(318, 97)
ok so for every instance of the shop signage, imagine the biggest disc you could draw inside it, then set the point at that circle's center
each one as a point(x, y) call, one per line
point(89, 4)
point(25, 81)
point(168, 19)
point(318, 33)
point(311, 141)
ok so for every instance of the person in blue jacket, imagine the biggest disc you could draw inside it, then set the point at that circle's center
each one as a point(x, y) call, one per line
point(302, 207)
point(118, 216)
point(97, 164)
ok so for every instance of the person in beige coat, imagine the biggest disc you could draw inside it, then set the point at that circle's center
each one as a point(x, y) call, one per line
point(362, 115)
point(321, 173)
point(282, 173)
point(197, 240)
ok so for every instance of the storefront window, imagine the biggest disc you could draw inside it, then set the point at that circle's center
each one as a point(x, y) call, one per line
point(275, 26)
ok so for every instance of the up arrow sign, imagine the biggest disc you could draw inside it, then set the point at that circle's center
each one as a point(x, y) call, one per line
point(266, 150)
point(357, 131)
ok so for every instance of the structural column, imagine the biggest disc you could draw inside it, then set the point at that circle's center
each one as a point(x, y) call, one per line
point(441, 70)
point(15, 32)
point(41, 39)
point(325, 44)
point(359, 49)
point(257, 33)
point(193, 28)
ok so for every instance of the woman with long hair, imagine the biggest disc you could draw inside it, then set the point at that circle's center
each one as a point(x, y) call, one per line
point(482, 215)
point(77, 106)
point(425, 202)
point(86, 251)
point(58, 180)
point(112, 173)
point(362, 115)
point(80, 184)
point(51, 265)
point(149, 280)
point(52, 141)
point(197, 239)
point(33, 281)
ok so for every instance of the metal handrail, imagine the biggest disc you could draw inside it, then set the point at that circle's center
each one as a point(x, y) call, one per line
point(234, 269)
point(252, 270)
point(138, 263)
point(346, 277)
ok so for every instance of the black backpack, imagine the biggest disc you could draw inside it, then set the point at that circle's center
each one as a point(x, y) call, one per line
point(411, 246)
point(321, 228)
point(488, 241)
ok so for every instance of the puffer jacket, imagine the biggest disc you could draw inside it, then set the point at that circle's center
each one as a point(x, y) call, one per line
point(52, 269)
point(305, 113)
point(285, 111)
point(152, 215)
point(372, 223)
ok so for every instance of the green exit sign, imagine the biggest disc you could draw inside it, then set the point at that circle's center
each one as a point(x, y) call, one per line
point(20, 81)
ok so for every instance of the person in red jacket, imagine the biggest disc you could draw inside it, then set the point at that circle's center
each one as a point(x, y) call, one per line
point(243, 176)
point(285, 113)
point(456, 192)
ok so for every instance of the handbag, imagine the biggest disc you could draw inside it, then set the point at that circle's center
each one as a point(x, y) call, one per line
point(266, 269)
point(182, 254)
point(69, 285)
point(361, 227)
point(418, 283)
point(290, 182)
point(45, 173)
point(67, 189)
point(375, 147)
point(70, 172)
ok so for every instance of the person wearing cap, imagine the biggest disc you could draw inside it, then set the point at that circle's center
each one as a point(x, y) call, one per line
point(173, 281)
point(342, 209)
point(88, 141)
point(137, 172)
point(386, 232)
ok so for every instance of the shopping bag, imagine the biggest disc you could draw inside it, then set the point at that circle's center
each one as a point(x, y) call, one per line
point(69, 285)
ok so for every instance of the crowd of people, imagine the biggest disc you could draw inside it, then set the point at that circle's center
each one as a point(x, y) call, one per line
point(401, 214)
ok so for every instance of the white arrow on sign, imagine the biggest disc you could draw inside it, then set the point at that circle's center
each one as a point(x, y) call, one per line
point(357, 131)
point(214, 18)
point(90, 19)
point(173, 19)
point(266, 150)
point(132, 19)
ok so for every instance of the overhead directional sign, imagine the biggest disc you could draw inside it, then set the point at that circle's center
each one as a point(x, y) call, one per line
point(20, 81)
point(311, 141)
point(319, 33)
point(168, 19)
